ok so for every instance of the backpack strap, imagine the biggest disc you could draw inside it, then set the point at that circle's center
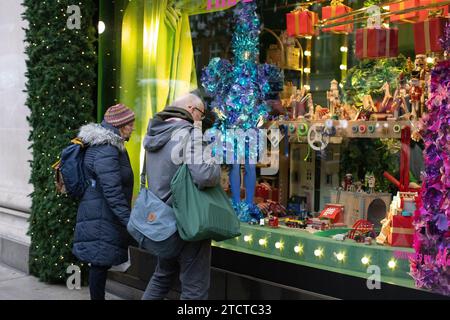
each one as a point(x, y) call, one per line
point(77, 140)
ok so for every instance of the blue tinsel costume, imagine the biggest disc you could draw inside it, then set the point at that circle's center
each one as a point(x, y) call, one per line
point(239, 91)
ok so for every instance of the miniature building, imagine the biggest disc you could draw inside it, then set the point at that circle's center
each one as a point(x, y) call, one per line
point(368, 206)
point(313, 178)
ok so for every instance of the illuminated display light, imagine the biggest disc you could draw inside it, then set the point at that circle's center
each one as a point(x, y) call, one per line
point(365, 260)
point(340, 256)
point(279, 245)
point(298, 249)
point(392, 264)
point(318, 252)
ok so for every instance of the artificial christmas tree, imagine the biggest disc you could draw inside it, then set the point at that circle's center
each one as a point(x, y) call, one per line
point(61, 81)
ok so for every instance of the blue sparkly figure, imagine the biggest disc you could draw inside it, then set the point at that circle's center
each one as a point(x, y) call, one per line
point(238, 92)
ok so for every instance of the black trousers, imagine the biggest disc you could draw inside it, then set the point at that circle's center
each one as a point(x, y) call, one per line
point(97, 281)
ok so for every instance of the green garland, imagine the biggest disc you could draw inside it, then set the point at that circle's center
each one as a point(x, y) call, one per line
point(360, 156)
point(369, 76)
point(61, 71)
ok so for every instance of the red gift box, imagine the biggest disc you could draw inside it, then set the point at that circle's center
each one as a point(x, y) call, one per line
point(262, 191)
point(427, 35)
point(301, 23)
point(266, 192)
point(405, 17)
point(423, 14)
point(335, 11)
point(376, 43)
point(401, 233)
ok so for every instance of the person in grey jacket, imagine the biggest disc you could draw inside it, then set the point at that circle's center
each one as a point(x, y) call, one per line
point(191, 259)
point(101, 238)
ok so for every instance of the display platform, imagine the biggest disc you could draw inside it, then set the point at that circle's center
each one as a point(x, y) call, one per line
point(319, 251)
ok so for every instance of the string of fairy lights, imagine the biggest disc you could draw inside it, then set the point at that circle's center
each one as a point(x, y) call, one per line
point(318, 252)
point(61, 36)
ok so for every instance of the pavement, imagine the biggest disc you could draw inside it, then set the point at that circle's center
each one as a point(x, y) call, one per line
point(16, 285)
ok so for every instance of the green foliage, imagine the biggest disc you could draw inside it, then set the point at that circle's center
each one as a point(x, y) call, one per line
point(360, 156)
point(369, 3)
point(61, 80)
point(369, 76)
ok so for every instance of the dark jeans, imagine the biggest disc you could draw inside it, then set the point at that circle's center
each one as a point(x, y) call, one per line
point(191, 260)
point(97, 282)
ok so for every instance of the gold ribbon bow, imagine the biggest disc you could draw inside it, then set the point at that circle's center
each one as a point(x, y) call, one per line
point(335, 3)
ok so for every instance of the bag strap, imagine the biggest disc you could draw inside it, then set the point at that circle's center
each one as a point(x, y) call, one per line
point(144, 171)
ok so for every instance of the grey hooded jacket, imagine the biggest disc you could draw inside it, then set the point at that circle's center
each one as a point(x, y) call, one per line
point(159, 147)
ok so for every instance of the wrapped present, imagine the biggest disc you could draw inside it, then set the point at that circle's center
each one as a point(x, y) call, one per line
point(427, 34)
point(262, 191)
point(440, 11)
point(292, 57)
point(405, 17)
point(401, 233)
point(376, 43)
point(334, 10)
point(265, 192)
point(274, 55)
point(301, 22)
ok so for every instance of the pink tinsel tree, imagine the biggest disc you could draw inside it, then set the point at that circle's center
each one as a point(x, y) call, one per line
point(430, 266)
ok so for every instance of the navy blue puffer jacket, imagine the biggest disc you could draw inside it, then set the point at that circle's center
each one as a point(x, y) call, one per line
point(101, 237)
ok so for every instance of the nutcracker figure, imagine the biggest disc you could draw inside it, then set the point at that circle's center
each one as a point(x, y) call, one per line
point(416, 94)
point(333, 98)
point(420, 64)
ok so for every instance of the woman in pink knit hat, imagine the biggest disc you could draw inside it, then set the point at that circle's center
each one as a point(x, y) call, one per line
point(101, 238)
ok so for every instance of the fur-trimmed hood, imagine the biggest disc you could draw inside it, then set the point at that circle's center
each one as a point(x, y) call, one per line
point(98, 134)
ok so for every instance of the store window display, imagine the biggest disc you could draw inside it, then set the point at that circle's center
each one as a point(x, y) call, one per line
point(353, 112)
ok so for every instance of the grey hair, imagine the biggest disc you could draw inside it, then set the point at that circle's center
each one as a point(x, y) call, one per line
point(188, 100)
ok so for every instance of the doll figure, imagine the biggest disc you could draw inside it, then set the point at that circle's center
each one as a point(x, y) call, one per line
point(359, 188)
point(370, 182)
point(400, 95)
point(348, 181)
